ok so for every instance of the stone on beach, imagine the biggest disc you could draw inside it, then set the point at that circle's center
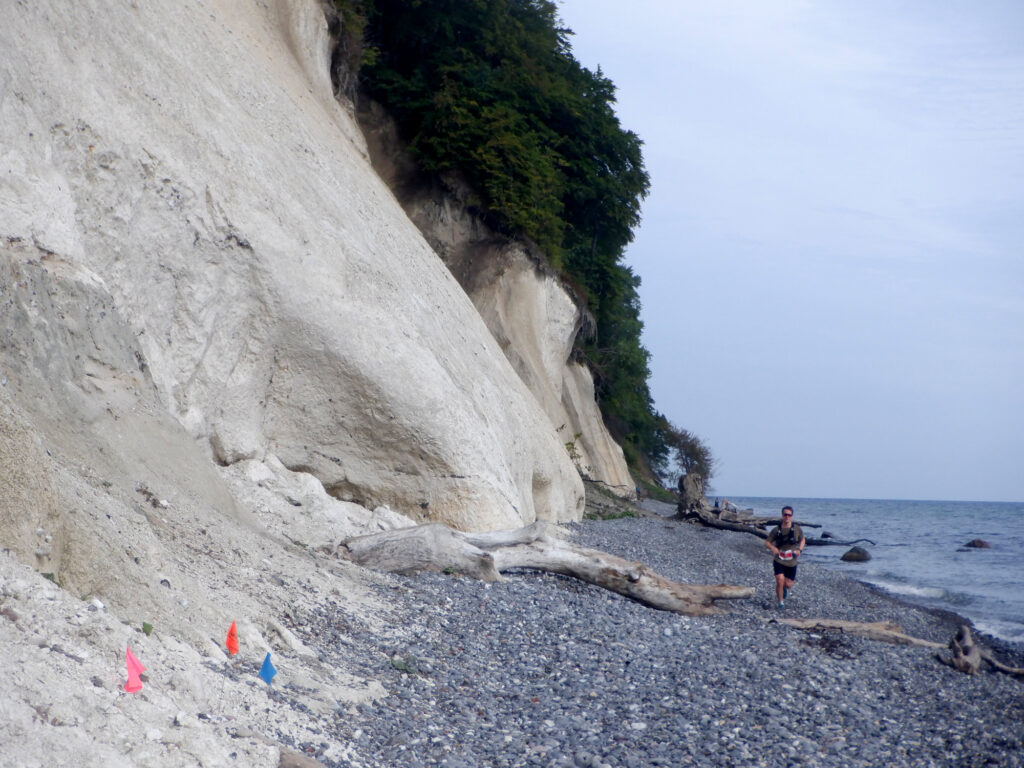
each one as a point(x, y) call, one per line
point(539, 661)
point(856, 555)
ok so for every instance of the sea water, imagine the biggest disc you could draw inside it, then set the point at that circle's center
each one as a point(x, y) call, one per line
point(919, 554)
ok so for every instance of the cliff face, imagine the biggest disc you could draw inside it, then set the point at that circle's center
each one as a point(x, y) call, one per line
point(208, 191)
point(222, 345)
point(527, 309)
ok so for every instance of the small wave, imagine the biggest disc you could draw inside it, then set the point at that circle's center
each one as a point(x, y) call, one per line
point(1004, 630)
point(911, 590)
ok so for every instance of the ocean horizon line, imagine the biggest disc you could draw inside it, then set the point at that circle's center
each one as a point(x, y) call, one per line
point(860, 498)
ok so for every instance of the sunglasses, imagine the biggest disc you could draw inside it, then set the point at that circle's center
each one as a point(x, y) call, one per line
point(787, 515)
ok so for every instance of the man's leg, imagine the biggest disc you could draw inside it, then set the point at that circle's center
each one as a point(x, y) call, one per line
point(790, 580)
point(780, 586)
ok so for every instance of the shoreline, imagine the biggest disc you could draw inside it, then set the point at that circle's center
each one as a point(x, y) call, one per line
point(436, 670)
point(544, 670)
point(1006, 650)
point(922, 554)
point(999, 644)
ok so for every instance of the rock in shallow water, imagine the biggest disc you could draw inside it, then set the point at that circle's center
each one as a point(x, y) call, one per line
point(856, 555)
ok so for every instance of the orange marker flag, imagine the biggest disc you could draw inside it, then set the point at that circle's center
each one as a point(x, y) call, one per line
point(135, 669)
point(232, 641)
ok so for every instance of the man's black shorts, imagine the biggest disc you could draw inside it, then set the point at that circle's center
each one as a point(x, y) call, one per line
point(789, 571)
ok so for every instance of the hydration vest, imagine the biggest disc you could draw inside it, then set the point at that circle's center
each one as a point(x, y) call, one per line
point(786, 538)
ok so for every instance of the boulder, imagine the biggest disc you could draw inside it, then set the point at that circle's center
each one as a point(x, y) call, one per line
point(978, 544)
point(856, 555)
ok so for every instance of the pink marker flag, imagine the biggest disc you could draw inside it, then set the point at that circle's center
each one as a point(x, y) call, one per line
point(135, 668)
point(232, 641)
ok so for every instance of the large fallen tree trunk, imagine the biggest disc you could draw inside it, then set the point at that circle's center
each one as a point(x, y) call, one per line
point(731, 521)
point(707, 517)
point(540, 546)
point(836, 542)
point(967, 653)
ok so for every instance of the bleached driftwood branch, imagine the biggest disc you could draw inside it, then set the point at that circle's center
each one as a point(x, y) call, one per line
point(884, 631)
point(966, 653)
point(540, 546)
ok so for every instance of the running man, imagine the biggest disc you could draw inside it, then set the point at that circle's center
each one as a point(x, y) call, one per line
point(786, 541)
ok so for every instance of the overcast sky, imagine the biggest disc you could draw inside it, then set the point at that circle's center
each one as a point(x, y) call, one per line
point(832, 252)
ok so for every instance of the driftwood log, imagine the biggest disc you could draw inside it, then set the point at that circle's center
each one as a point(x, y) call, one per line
point(540, 546)
point(966, 656)
point(728, 520)
point(884, 631)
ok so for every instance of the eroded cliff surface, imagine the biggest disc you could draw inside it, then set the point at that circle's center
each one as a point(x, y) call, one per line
point(222, 345)
point(528, 310)
point(279, 301)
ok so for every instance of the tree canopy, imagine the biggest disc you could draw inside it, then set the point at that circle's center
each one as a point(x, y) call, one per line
point(687, 453)
point(490, 89)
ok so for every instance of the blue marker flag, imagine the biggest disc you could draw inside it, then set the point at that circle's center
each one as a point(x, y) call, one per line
point(268, 671)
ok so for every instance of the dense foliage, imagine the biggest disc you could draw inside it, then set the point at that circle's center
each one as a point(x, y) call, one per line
point(489, 89)
point(687, 453)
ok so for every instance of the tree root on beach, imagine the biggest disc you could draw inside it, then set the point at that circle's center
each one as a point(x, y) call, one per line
point(967, 653)
point(540, 546)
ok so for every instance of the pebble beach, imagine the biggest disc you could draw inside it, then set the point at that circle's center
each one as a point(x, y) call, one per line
point(544, 670)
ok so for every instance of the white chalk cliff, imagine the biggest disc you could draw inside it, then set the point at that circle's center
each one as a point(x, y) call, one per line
point(210, 190)
point(527, 309)
point(223, 343)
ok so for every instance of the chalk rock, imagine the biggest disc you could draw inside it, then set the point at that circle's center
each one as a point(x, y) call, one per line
point(194, 207)
point(30, 509)
point(292, 759)
point(525, 306)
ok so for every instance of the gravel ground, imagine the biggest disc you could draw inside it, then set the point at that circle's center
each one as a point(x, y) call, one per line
point(542, 670)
